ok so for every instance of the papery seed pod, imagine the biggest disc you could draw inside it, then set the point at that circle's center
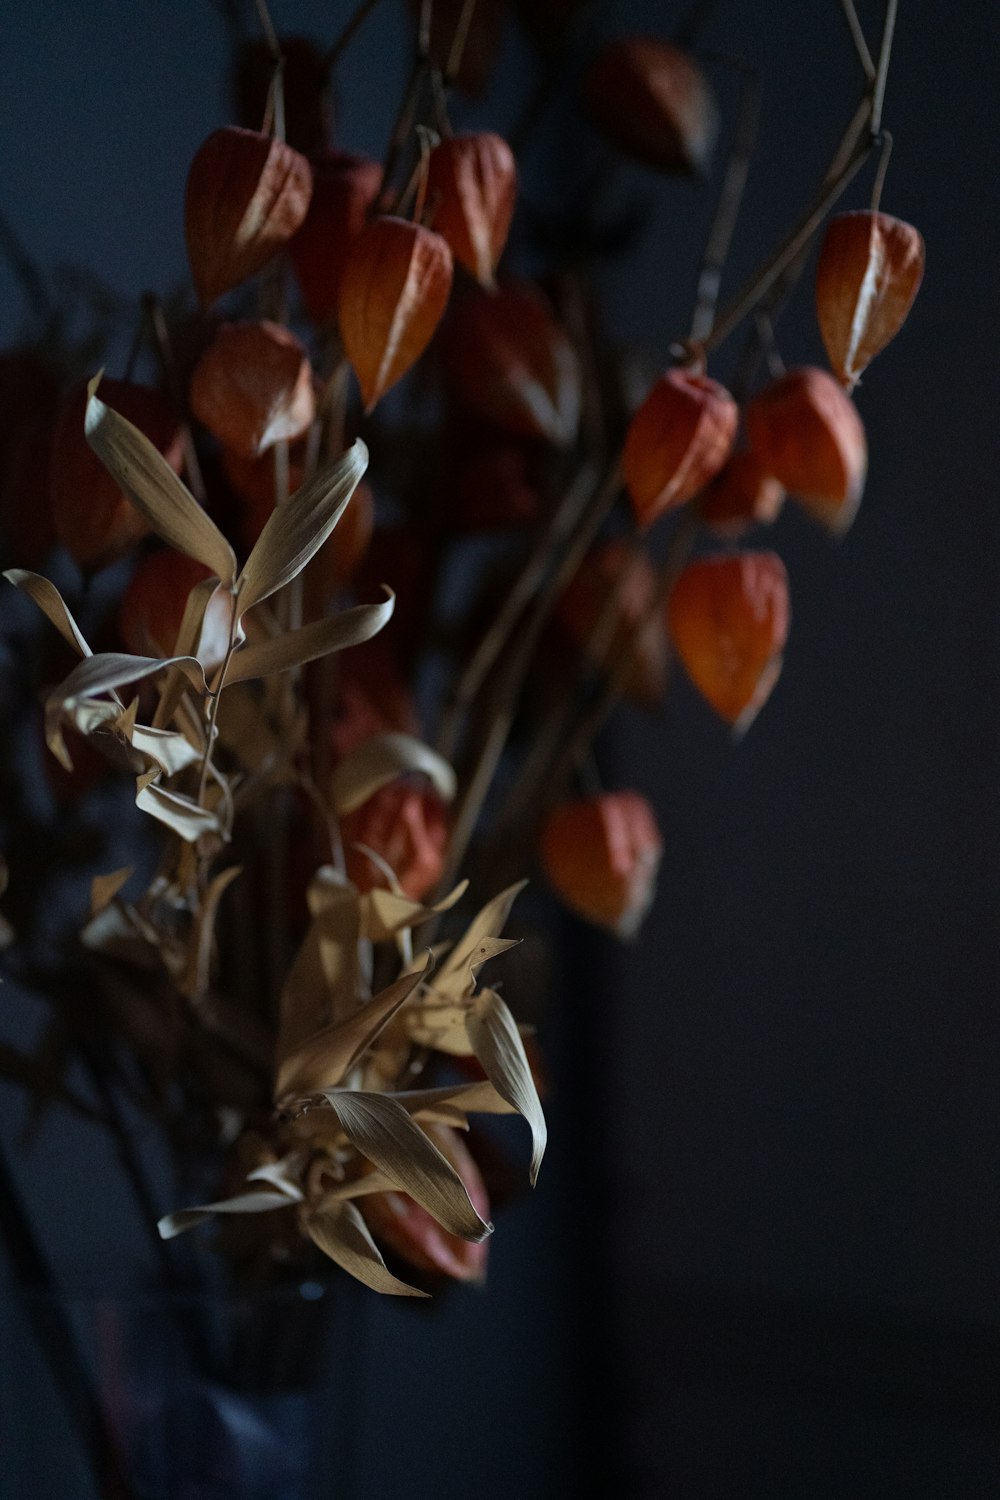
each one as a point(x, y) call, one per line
point(728, 618)
point(393, 292)
point(253, 387)
point(677, 441)
point(406, 1228)
point(652, 101)
point(869, 271)
point(601, 856)
point(472, 185)
point(94, 519)
point(406, 824)
point(615, 571)
point(508, 360)
point(495, 489)
point(741, 495)
point(807, 433)
point(344, 188)
point(247, 194)
point(305, 83)
point(152, 608)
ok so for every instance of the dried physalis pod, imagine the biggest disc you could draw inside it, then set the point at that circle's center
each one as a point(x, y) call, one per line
point(618, 578)
point(253, 387)
point(344, 188)
point(869, 271)
point(677, 441)
point(406, 1228)
point(742, 494)
point(405, 823)
point(728, 618)
point(152, 608)
point(807, 433)
point(393, 292)
point(601, 856)
point(94, 519)
point(305, 79)
point(247, 194)
point(471, 185)
point(651, 100)
point(508, 360)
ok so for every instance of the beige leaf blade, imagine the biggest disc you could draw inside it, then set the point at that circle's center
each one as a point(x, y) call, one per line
point(384, 912)
point(470, 1098)
point(154, 489)
point(109, 670)
point(321, 1062)
point(497, 1043)
point(382, 1130)
point(52, 604)
point(182, 814)
point(380, 760)
point(297, 529)
point(452, 978)
point(195, 981)
point(342, 1234)
point(297, 647)
point(170, 750)
point(104, 888)
point(261, 1202)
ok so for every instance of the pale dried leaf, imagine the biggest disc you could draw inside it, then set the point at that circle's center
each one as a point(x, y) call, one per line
point(499, 1048)
point(471, 1098)
point(284, 1175)
point(297, 529)
point(104, 888)
point(169, 749)
point(382, 1130)
point(261, 1202)
point(322, 1061)
point(154, 489)
point(297, 647)
point(384, 913)
point(380, 760)
point(52, 604)
point(110, 670)
point(196, 975)
point(182, 814)
point(342, 1234)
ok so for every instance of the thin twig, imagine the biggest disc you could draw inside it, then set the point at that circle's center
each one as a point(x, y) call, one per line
point(883, 167)
point(858, 38)
point(727, 211)
point(153, 308)
point(458, 41)
point(350, 31)
point(882, 72)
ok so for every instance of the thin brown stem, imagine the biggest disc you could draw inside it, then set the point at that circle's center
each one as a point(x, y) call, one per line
point(883, 167)
point(458, 41)
point(882, 71)
point(858, 38)
point(163, 344)
point(720, 235)
point(350, 31)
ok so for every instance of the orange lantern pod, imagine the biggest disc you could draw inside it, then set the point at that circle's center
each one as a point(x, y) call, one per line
point(406, 1228)
point(807, 433)
point(405, 823)
point(393, 293)
point(741, 495)
point(601, 856)
point(252, 482)
point(94, 519)
point(728, 618)
point(344, 189)
point(869, 271)
point(509, 361)
point(472, 185)
point(152, 608)
point(247, 194)
point(677, 441)
point(616, 570)
point(654, 104)
point(253, 387)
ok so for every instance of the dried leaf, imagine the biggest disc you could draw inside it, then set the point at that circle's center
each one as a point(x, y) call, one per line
point(385, 913)
point(296, 530)
point(168, 748)
point(52, 604)
point(154, 489)
point(322, 1061)
point(244, 1203)
point(380, 760)
point(196, 975)
point(180, 813)
point(297, 647)
point(104, 888)
point(497, 1043)
point(342, 1234)
point(382, 1130)
point(452, 977)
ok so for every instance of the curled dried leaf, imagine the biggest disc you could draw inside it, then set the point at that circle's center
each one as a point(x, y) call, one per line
point(497, 1044)
point(380, 760)
point(321, 638)
point(340, 1232)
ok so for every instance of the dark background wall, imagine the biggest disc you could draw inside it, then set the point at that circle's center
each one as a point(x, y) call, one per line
point(790, 1159)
